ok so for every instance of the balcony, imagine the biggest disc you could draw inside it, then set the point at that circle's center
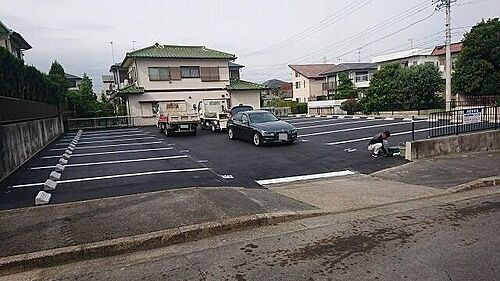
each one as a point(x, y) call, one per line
point(329, 86)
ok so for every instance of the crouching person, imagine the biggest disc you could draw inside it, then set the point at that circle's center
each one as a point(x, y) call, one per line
point(377, 144)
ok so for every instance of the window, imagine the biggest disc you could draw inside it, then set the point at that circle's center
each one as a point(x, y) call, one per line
point(297, 85)
point(209, 73)
point(190, 71)
point(304, 83)
point(361, 76)
point(296, 74)
point(147, 109)
point(237, 117)
point(244, 118)
point(159, 73)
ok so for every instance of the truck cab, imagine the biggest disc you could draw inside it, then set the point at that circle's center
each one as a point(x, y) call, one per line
point(213, 114)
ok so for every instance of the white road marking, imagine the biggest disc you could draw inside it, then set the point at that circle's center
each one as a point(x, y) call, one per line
point(108, 145)
point(315, 121)
point(354, 129)
point(113, 162)
point(109, 131)
point(108, 137)
point(334, 124)
point(371, 118)
point(110, 152)
point(116, 176)
point(392, 134)
point(117, 140)
point(305, 177)
point(389, 118)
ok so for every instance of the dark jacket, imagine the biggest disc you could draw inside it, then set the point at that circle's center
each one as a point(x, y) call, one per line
point(378, 138)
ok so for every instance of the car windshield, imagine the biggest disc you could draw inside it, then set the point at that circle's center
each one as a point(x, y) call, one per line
point(262, 117)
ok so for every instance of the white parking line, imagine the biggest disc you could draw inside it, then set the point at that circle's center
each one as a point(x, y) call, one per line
point(108, 145)
point(109, 152)
point(117, 176)
point(392, 134)
point(316, 121)
point(305, 177)
point(357, 128)
point(108, 135)
point(334, 124)
point(113, 162)
point(117, 140)
point(108, 131)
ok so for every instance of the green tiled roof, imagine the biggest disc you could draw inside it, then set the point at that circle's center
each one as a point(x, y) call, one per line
point(131, 89)
point(171, 51)
point(244, 85)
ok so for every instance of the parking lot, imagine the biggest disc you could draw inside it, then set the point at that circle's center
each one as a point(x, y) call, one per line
point(114, 162)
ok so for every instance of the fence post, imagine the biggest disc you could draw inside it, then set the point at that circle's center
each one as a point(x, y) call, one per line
point(496, 117)
point(413, 128)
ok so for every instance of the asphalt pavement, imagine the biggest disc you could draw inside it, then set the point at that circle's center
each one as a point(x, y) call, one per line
point(115, 162)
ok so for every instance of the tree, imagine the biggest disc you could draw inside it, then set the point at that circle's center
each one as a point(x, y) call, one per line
point(351, 106)
point(58, 77)
point(404, 88)
point(477, 69)
point(86, 87)
point(346, 89)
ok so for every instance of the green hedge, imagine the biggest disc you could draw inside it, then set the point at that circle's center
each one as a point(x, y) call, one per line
point(18, 80)
point(296, 107)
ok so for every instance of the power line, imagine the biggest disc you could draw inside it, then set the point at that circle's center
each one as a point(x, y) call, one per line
point(352, 7)
point(380, 26)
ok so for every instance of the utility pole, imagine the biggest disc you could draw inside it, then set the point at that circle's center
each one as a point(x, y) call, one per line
point(447, 5)
point(112, 51)
point(133, 45)
point(359, 55)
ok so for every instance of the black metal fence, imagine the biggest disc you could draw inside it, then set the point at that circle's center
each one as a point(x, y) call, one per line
point(464, 120)
point(100, 122)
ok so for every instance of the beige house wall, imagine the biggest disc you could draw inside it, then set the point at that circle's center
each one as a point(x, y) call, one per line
point(142, 66)
point(247, 97)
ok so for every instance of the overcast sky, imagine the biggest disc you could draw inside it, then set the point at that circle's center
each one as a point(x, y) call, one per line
point(265, 35)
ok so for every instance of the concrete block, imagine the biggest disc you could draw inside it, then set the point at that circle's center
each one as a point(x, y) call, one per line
point(42, 198)
point(63, 161)
point(72, 146)
point(66, 156)
point(59, 168)
point(55, 176)
point(69, 152)
point(49, 185)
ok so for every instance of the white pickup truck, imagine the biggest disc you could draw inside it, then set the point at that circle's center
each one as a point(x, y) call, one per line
point(213, 114)
point(174, 117)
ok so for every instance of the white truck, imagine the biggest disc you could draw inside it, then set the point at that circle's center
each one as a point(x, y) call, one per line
point(174, 117)
point(213, 114)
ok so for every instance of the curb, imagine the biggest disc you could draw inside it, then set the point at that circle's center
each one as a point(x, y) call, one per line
point(484, 182)
point(146, 241)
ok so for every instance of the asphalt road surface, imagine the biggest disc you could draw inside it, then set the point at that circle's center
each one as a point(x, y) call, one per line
point(114, 162)
point(455, 240)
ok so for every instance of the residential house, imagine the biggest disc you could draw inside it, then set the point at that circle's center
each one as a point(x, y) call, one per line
point(191, 73)
point(234, 70)
point(307, 81)
point(359, 73)
point(108, 83)
point(440, 53)
point(275, 89)
point(13, 41)
point(73, 80)
point(119, 76)
point(407, 58)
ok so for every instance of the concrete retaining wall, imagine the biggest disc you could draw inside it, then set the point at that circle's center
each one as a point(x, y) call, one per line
point(472, 142)
point(20, 141)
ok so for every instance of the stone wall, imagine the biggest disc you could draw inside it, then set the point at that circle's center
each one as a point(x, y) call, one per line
point(472, 142)
point(20, 141)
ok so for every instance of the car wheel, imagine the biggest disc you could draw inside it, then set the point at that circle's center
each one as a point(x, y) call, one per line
point(169, 132)
point(257, 139)
point(214, 129)
point(230, 133)
point(162, 128)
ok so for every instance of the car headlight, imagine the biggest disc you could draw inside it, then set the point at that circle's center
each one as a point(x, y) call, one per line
point(265, 133)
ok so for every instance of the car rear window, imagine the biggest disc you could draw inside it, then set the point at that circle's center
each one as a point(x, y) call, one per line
point(240, 109)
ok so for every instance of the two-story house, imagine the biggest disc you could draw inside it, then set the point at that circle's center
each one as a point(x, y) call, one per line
point(13, 41)
point(440, 53)
point(359, 73)
point(190, 73)
point(73, 81)
point(307, 81)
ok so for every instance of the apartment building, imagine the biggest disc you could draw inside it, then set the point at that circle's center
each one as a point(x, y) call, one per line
point(191, 73)
point(440, 53)
point(307, 81)
point(359, 73)
point(407, 58)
